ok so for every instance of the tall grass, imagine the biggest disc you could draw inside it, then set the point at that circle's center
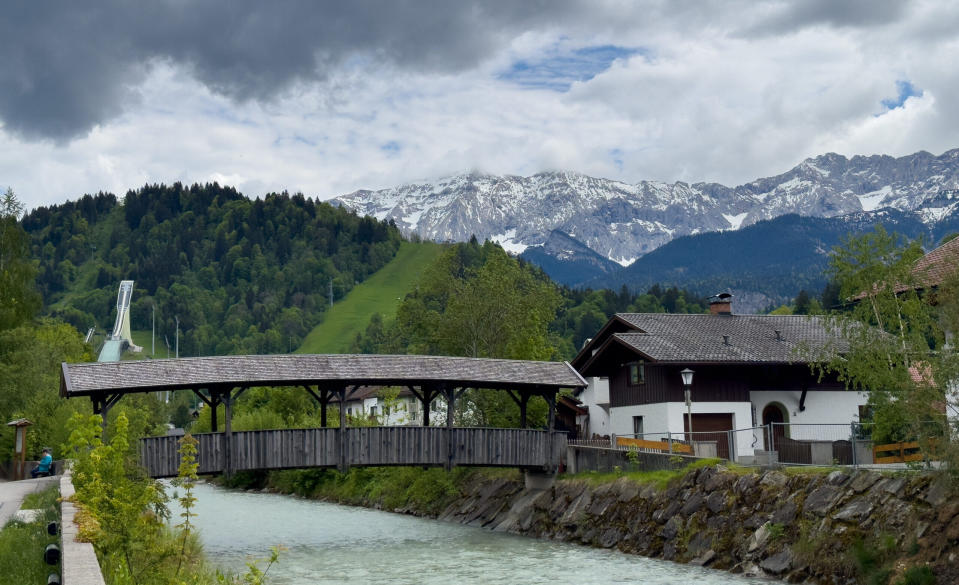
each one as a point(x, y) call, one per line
point(22, 544)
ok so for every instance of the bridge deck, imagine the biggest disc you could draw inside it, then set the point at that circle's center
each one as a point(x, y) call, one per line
point(364, 446)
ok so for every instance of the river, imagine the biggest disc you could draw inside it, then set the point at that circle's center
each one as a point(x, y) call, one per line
point(329, 543)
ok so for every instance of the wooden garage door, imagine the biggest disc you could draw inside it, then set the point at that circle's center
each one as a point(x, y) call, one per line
point(717, 423)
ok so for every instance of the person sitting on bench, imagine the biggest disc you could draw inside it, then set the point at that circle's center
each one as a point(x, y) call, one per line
point(43, 468)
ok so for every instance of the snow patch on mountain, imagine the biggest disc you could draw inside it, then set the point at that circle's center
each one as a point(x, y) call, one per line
point(870, 201)
point(735, 221)
point(623, 222)
point(508, 241)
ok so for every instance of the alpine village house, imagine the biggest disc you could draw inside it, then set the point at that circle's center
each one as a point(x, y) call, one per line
point(745, 370)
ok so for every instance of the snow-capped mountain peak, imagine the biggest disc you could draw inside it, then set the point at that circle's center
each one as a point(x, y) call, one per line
point(622, 221)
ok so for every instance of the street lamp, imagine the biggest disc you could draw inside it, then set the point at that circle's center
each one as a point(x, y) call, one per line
point(687, 375)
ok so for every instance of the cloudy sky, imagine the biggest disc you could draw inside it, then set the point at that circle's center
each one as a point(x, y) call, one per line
point(329, 97)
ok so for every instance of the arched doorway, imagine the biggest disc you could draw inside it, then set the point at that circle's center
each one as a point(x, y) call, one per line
point(775, 414)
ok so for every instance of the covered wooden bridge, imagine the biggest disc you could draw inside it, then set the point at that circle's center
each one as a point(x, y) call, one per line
point(333, 378)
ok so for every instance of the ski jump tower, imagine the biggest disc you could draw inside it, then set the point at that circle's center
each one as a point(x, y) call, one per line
point(120, 339)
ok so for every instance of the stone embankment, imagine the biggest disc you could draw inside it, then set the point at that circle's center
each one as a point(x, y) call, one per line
point(815, 527)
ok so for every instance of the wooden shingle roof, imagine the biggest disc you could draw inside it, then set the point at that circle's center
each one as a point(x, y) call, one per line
point(724, 338)
point(289, 370)
point(690, 339)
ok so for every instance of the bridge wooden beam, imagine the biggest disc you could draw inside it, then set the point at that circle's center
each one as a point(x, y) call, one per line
point(202, 396)
point(101, 405)
point(550, 397)
point(522, 400)
point(429, 393)
point(341, 433)
point(322, 396)
point(451, 395)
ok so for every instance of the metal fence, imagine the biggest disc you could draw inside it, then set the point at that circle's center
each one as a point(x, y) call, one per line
point(820, 444)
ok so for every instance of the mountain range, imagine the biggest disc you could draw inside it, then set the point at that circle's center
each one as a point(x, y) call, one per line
point(583, 230)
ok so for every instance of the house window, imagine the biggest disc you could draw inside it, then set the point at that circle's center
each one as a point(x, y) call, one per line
point(637, 373)
point(372, 411)
point(638, 427)
point(386, 411)
point(349, 410)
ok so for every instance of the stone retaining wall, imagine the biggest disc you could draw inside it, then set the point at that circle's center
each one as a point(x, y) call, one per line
point(78, 561)
point(797, 526)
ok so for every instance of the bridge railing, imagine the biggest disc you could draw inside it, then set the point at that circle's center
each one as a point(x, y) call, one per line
point(365, 446)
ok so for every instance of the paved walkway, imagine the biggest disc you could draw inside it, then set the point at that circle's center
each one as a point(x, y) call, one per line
point(13, 492)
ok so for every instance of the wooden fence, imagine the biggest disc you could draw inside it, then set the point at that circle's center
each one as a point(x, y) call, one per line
point(897, 453)
point(660, 446)
point(364, 446)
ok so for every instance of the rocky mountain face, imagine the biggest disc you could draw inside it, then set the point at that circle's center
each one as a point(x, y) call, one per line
point(556, 219)
point(623, 222)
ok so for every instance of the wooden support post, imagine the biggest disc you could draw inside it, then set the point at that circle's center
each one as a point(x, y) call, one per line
point(550, 397)
point(214, 402)
point(428, 394)
point(323, 398)
point(324, 403)
point(551, 401)
point(450, 394)
point(228, 399)
point(341, 432)
point(101, 406)
point(522, 401)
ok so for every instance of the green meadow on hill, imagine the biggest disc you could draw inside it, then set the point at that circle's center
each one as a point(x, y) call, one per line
point(380, 293)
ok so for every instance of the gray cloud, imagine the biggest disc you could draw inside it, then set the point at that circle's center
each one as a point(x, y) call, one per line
point(69, 65)
point(785, 16)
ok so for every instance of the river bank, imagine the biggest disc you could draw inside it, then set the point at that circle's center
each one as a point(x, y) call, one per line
point(830, 527)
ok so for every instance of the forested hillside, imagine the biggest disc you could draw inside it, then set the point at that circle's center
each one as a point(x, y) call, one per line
point(778, 257)
point(242, 276)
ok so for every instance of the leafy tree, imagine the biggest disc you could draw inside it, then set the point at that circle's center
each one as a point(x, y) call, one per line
point(19, 299)
point(803, 303)
point(894, 339)
point(118, 498)
point(242, 276)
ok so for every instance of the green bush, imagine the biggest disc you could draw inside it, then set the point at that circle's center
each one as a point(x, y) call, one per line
point(917, 576)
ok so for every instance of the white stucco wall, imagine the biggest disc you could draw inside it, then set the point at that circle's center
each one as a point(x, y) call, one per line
point(596, 393)
point(406, 410)
point(827, 415)
point(668, 416)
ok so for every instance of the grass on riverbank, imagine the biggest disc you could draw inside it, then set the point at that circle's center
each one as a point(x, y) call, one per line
point(660, 478)
point(427, 491)
point(22, 544)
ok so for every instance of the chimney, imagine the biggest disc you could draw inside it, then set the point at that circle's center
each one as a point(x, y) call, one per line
point(721, 304)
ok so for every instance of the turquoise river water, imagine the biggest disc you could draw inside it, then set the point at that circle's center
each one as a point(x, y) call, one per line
point(329, 543)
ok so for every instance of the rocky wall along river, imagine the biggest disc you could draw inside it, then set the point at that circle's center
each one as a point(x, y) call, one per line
point(832, 528)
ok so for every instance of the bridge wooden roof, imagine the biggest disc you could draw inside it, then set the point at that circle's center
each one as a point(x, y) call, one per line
point(90, 379)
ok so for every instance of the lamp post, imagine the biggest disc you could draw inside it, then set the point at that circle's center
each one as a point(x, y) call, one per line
point(687, 375)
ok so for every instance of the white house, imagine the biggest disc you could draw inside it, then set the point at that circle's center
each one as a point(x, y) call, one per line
point(747, 371)
point(393, 407)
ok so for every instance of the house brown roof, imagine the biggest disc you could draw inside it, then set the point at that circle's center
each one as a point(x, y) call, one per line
point(689, 339)
point(297, 369)
point(938, 265)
